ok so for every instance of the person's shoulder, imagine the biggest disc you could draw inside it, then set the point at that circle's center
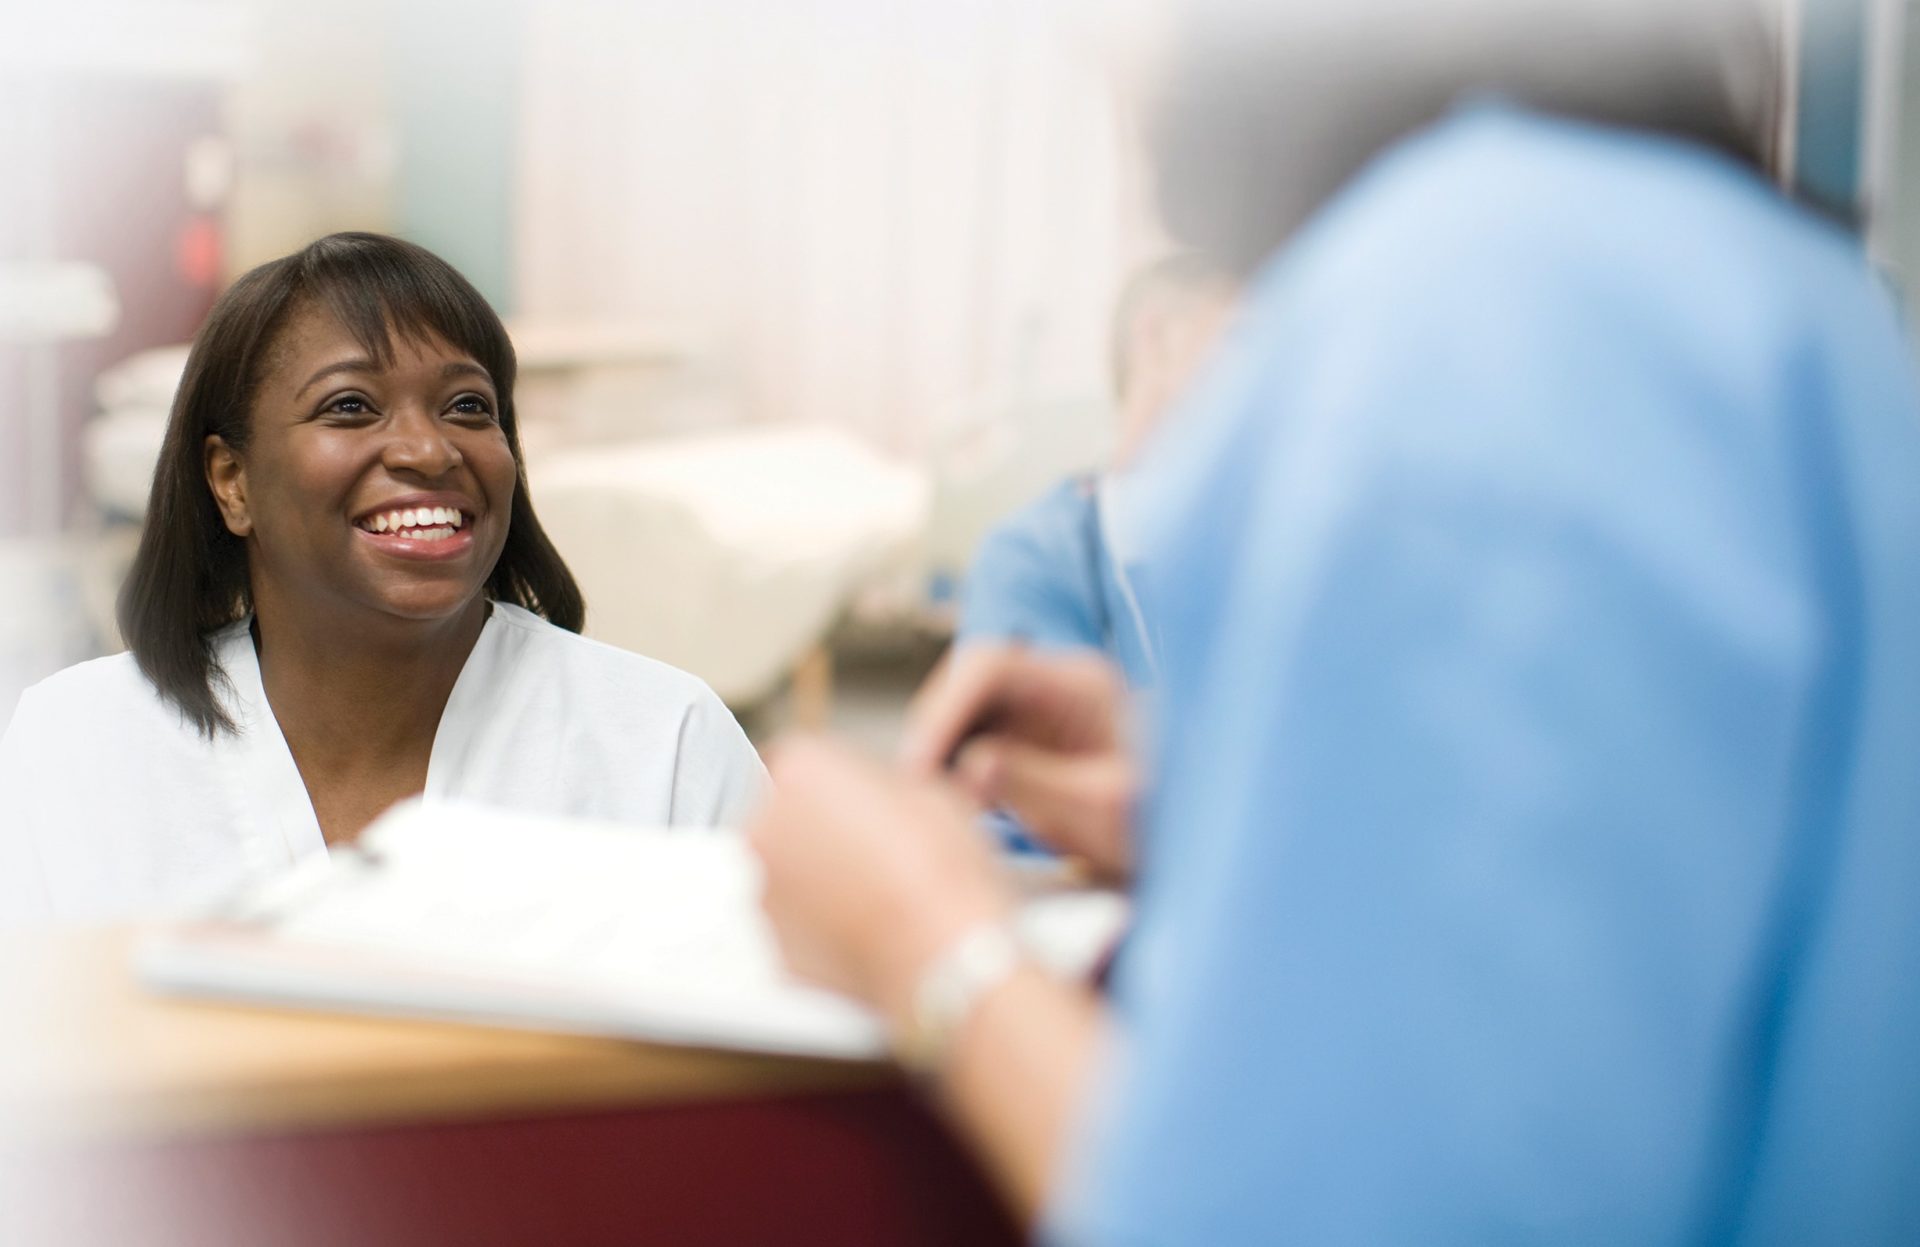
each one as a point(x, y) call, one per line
point(1497, 200)
point(1503, 250)
point(114, 681)
point(104, 702)
point(1033, 572)
point(1056, 522)
point(558, 653)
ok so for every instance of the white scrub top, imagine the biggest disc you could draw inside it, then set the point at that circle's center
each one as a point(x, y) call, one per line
point(114, 806)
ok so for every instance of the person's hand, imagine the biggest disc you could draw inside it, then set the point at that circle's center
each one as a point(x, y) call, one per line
point(1039, 734)
point(869, 874)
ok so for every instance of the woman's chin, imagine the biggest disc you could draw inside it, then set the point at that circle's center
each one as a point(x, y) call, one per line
point(428, 589)
point(427, 603)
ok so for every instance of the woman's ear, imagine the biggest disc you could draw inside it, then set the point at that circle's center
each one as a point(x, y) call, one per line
point(227, 478)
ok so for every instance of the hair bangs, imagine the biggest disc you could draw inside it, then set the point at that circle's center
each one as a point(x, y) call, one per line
point(380, 287)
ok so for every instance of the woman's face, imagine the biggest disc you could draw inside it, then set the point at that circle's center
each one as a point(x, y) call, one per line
point(366, 490)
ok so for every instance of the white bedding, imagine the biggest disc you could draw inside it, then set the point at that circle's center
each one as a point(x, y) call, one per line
point(729, 554)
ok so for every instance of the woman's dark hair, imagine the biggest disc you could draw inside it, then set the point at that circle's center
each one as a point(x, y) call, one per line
point(189, 578)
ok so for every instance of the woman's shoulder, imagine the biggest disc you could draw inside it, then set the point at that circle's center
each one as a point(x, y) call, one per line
point(635, 739)
point(101, 708)
point(558, 653)
point(112, 682)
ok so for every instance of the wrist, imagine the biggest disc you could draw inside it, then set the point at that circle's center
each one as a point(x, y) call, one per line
point(950, 988)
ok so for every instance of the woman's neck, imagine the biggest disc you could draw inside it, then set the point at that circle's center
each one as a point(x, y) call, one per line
point(361, 697)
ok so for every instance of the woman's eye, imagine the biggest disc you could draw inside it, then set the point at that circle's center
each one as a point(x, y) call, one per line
point(348, 405)
point(473, 405)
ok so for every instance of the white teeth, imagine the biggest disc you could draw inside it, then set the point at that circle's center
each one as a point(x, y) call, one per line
point(417, 521)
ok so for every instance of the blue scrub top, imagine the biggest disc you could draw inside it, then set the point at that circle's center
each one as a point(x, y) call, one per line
point(1538, 853)
point(1046, 576)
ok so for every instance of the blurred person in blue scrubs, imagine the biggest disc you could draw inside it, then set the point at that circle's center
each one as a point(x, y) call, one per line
point(1535, 827)
point(1062, 572)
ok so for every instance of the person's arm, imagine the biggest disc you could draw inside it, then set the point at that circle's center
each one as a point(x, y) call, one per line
point(1033, 579)
point(871, 878)
point(1016, 1077)
point(718, 777)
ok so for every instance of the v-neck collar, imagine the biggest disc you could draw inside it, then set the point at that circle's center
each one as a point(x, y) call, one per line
point(266, 781)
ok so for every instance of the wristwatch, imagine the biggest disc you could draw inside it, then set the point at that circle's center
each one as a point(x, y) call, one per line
point(954, 984)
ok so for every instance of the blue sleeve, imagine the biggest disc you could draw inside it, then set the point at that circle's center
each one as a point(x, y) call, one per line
point(1033, 577)
point(1488, 688)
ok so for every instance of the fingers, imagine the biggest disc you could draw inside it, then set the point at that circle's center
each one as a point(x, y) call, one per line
point(1070, 701)
point(806, 837)
point(801, 755)
point(865, 872)
point(1076, 803)
point(954, 698)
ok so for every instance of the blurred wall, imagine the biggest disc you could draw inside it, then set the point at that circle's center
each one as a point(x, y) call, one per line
point(882, 210)
point(454, 78)
point(311, 122)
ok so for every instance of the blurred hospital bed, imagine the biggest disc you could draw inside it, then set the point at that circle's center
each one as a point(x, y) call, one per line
point(732, 554)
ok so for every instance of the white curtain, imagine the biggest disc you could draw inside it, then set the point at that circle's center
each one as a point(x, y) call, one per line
point(885, 211)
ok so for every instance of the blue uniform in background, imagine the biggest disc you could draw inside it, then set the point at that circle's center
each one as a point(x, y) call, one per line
point(1049, 576)
point(1538, 852)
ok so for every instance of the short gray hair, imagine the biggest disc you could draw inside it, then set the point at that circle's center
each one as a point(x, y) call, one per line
point(1269, 109)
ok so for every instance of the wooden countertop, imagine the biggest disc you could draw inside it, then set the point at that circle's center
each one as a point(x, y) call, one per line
point(86, 1053)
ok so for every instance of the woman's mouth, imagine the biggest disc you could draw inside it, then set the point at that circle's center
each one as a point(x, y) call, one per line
point(423, 524)
point(420, 534)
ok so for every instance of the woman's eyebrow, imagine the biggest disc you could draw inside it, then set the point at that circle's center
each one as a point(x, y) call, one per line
point(462, 368)
point(456, 368)
point(356, 364)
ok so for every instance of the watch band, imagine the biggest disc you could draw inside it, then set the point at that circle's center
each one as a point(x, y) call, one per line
point(951, 988)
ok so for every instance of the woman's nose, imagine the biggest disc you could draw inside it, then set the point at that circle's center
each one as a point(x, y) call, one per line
point(417, 442)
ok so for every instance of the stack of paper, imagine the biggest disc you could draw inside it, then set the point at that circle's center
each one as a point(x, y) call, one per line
point(457, 911)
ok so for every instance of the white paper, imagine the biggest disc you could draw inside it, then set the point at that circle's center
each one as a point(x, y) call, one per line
point(451, 910)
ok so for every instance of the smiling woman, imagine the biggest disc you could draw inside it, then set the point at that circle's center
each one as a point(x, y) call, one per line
point(342, 598)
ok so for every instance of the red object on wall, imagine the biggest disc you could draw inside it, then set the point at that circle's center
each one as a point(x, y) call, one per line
point(197, 253)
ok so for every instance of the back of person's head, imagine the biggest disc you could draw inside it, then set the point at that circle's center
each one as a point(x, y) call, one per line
point(190, 576)
point(1266, 110)
point(1167, 287)
point(1164, 323)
